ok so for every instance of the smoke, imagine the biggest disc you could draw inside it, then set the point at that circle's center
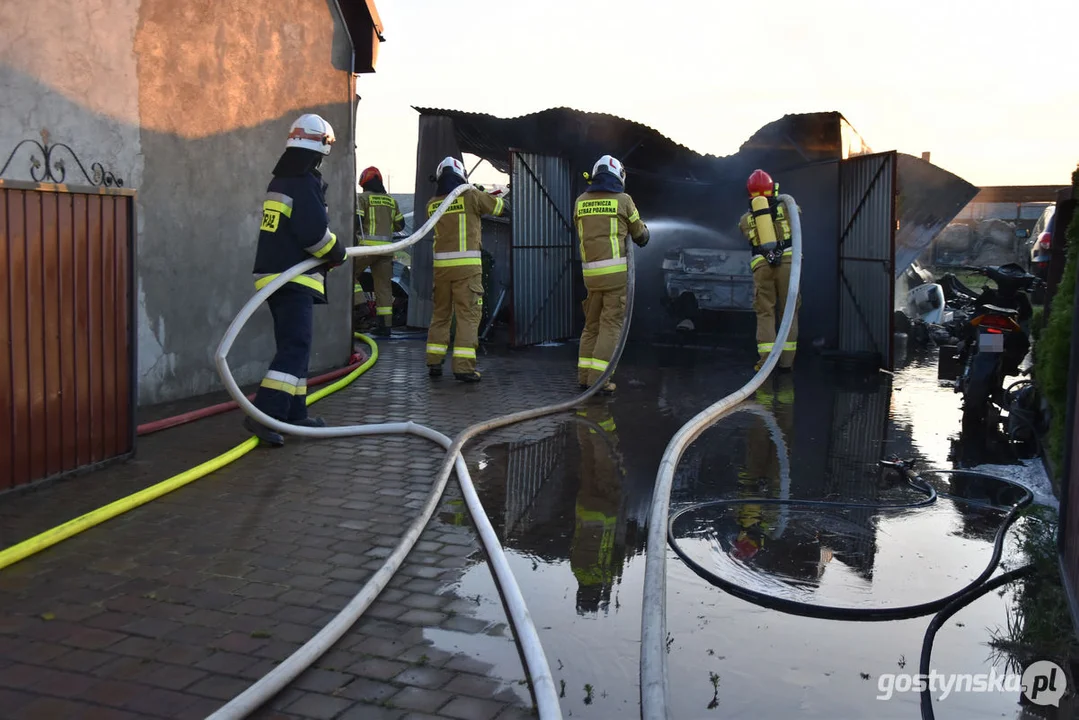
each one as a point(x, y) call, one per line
point(668, 235)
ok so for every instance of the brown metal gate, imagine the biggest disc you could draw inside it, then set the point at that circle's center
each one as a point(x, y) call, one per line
point(67, 334)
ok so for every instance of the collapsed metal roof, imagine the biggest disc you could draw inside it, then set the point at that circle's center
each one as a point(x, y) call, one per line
point(791, 141)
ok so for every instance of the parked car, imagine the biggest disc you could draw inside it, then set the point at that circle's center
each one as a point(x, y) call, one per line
point(1040, 243)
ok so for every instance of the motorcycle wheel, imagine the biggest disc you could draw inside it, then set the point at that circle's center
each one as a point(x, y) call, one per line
point(979, 414)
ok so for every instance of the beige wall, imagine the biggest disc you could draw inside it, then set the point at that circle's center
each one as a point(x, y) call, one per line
point(189, 101)
point(69, 67)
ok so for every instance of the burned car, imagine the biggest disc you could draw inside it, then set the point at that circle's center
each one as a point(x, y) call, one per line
point(709, 279)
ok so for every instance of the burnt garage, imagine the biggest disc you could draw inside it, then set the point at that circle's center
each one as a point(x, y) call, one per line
point(866, 216)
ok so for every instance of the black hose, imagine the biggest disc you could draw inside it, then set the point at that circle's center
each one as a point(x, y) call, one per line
point(946, 612)
point(827, 612)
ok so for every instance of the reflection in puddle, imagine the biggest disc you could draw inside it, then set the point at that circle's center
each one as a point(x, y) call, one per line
point(569, 498)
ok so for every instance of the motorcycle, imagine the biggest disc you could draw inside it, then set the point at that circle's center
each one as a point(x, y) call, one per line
point(993, 344)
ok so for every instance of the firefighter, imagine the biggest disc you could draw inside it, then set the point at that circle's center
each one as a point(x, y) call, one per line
point(295, 227)
point(761, 477)
point(596, 551)
point(377, 219)
point(458, 287)
point(604, 215)
point(769, 232)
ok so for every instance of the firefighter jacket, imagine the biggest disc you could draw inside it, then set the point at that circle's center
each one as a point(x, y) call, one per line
point(377, 219)
point(603, 220)
point(458, 233)
point(295, 227)
point(748, 226)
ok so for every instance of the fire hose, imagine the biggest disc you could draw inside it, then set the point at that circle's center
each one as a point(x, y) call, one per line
point(654, 685)
point(534, 660)
point(153, 426)
point(653, 670)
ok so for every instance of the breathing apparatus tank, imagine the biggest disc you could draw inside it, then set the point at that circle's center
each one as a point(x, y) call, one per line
point(761, 210)
point(762, 192)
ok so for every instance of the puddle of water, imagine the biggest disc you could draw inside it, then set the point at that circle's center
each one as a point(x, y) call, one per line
point(570, 500)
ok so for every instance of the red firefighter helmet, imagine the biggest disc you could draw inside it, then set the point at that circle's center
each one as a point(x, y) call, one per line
point(368, 175)
point(745, 547)
point(761, 183)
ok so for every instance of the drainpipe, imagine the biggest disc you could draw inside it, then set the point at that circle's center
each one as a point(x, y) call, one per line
point(351, 112)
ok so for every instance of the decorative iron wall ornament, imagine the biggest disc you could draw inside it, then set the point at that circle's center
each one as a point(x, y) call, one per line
point(53, 169)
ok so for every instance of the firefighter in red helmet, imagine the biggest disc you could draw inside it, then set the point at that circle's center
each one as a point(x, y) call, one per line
point(769, 233)
point(377, 218)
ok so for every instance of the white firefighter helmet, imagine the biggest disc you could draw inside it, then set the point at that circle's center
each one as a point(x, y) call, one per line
point(311, 132)
point(452, 164)
point(611, 165)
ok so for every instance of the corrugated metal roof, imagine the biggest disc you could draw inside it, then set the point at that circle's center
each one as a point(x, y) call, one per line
point(580, 135)
point(576, 134)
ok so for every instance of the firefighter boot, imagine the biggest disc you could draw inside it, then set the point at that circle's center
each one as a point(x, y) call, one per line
point(311, 422)
point(469, 377)
point(263, 433)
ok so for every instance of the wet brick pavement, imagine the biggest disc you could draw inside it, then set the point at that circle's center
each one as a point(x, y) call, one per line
point(174, 608)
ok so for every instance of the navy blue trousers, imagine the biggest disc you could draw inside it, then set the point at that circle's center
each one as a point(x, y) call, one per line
point(283, 391)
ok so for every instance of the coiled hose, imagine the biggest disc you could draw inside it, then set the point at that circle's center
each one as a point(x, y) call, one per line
point(654, 684)
point(535, 662)
point(826, 612)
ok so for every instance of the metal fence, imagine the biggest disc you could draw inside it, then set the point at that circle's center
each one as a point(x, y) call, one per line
point(543, 249)
point(67, 338)
point(867, 255)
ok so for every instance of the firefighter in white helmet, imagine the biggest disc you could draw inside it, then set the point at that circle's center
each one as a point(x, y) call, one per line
point(458, 286)
point(604, 215)
point(295, 227)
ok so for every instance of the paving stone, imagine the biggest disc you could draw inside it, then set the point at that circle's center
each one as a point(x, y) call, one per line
point(364, 711)
point(227, 663)
point(469, 708)
point(318, 707)
point(519, 713)
point(377, 668)
point(412, 698)
point(423, 618)
point(322, 681)
point(198, 595)
point(423, 677)
point(369, 691)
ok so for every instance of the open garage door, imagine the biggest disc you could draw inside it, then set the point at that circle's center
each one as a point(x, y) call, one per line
point(867, 256)
point(544, 249)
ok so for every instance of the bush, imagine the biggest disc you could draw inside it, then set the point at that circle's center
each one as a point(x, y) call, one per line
point(1052, 354)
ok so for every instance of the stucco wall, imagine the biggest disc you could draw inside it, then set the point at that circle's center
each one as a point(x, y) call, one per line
point(216, 101)
point(189, 102)
point(69, 68)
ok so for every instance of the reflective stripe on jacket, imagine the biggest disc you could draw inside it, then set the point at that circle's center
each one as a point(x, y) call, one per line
point(378, 217)
point(603, 221)
point(458, 233)
point(294, 228)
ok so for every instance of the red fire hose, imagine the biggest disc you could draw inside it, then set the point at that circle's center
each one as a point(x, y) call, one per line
point(355, 361)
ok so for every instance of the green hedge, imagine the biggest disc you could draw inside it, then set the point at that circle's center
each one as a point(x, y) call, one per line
point(1052, 354)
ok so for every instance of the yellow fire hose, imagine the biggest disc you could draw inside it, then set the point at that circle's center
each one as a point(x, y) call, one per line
point(71, 528)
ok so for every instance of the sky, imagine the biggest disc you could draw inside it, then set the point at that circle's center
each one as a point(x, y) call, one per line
point(987, 87)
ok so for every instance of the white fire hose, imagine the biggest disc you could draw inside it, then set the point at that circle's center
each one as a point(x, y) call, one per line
point(536, 666)
point(655, 691)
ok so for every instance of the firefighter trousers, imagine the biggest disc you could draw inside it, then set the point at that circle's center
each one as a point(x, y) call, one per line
point(604, 313)
point(283, 391)
point(460, 297)
point(770, 285)
point(382, 274)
